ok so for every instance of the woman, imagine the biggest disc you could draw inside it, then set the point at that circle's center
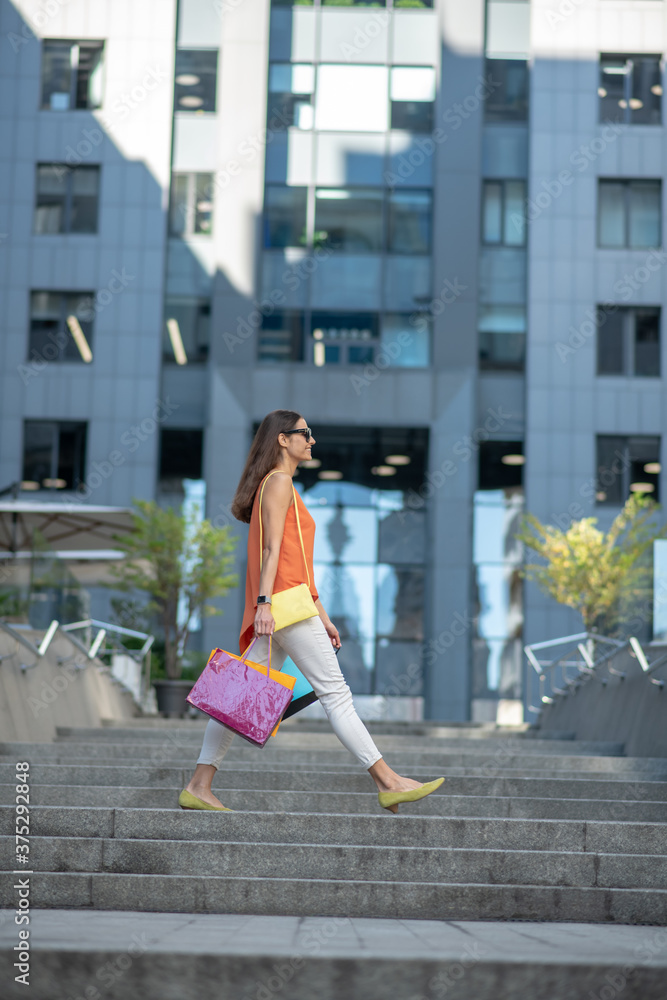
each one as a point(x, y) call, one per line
point(282, 441)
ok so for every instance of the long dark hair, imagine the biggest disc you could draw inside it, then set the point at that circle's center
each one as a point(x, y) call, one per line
point(263, 456)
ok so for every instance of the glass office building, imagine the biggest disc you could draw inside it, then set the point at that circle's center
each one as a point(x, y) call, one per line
point(433, 228)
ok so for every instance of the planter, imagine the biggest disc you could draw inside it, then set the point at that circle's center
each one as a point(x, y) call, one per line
point(171, 697)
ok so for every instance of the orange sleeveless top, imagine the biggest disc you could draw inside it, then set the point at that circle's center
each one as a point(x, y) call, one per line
point(291, 567)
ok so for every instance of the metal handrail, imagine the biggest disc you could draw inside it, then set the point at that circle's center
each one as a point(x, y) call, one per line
point(647, 667)
point(142, 655)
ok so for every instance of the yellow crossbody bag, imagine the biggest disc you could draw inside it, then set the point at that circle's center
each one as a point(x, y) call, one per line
point(296, 603)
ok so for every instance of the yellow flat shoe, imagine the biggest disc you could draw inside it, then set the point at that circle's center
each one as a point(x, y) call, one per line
point(390, 800)
point(187, 800)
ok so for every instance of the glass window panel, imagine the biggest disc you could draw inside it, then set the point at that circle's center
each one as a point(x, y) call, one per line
point(612, 460)
point(400, 603)
point(281, 337)
point(515, 229)
point(360, 355)
point(401, 537)
point(645, 213)
point(84, 182)
point(290, 88)
point(509, 100)
point(499, 600)
point(612, 88)
point(348, 593)
point(178, 209)
point(406, 340)
point(285, 216)
point(412, 83)
point(492, 218)
point(502, 319)
point(410, 222)
point(646, 99)
point(196, 79)
point(611, 336)
point(413, 116)
point(339, 107)
point(349, 219)
point(89, 78)
point(647, 342)
point(611, 214)
point(71, 454)
point(345, 534)
point(50, 335)
point(193, 317)
point(39, 450)
point(203, 208)
point(56, 75)
point(180, 454)
point(398, 669)
point(51, 198)
point(502, 351)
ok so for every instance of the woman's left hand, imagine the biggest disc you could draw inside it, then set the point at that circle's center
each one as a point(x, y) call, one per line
point(332, 632)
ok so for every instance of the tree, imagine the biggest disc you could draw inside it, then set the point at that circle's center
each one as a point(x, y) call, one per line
point(170, 556)
point(600, 576)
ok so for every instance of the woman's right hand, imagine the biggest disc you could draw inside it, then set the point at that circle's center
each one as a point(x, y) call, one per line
point(265, 623)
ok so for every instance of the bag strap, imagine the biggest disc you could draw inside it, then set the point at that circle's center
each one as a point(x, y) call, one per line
point(252, 643)
point(298, 524)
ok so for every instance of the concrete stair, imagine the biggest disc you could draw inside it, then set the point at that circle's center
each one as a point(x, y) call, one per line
point(523, 829)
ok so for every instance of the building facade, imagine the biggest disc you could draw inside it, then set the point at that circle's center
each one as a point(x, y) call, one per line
point(435, 231)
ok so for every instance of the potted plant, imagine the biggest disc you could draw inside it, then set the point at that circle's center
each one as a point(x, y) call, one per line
point(178, 562)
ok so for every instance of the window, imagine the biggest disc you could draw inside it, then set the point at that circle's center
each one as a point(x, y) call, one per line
point(326, 338)
point(629, 213)
point(72, 75)
point(54, 453)
point(626, 465)
point(508, 101)
point(281, 336)
point(412, 92)
point(187, 330)
point(503, 217)
point(502, 337)
point(67, 199)
point(344, 338)
point(61, 326)
point(180, 457)
point(196, 79)
point(284, 216)
point(628, 341)
point(349, 219)
point(409, 222)
point(630, 89)
point(191, 208)
point(339, 105)
point(291, 87)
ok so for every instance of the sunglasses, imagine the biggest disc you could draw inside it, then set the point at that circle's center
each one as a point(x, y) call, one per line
point(306, 431)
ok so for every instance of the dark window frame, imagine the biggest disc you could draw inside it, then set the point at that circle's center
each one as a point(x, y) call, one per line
point(502, 182)
point(628, 340)
point(62, 338)
point(79, 430)
point(75, 81)
point(68, 173)
point(613, 480)
point(625, 115)
point(194, 91)
point(627, 183)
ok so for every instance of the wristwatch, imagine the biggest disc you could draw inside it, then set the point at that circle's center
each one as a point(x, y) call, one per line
point(262, 599)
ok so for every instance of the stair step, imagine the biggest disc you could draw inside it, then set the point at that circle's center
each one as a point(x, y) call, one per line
point(161, 957)
point(307, 778)
point(348, 898)
point(293, 801)
point(342, 829)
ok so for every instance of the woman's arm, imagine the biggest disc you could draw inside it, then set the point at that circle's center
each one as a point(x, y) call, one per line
point(276, 501)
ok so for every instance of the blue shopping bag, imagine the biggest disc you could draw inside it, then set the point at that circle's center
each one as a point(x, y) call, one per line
point(302, 695)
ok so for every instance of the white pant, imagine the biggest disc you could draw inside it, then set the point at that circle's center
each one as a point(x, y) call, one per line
point(310, 647)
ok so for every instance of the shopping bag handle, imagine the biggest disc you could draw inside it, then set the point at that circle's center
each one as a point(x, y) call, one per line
point(268, 667)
